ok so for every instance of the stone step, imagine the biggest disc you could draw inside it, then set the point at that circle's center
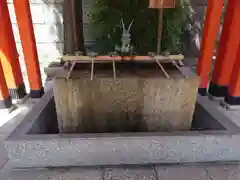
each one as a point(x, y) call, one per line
point(151, 172)
point(55, 174)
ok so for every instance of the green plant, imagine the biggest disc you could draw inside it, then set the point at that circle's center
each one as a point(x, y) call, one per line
point(105, 24)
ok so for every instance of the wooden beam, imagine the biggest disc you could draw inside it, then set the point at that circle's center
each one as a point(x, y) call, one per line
point(26, 32)
point(105, 59)
point(5, 99)
point(227, 51)
point(9, 55)
point(210, 32)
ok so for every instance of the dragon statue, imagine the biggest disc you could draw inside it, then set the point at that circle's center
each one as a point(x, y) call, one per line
point(126, 48)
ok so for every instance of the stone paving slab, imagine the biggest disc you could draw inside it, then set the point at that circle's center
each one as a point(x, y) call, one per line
point(3, 155)
point(132, 173)
point(224, 172)
point(181, 173)
point(213, 171)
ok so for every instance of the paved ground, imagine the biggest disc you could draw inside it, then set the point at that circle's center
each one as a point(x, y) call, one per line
point(8, 121)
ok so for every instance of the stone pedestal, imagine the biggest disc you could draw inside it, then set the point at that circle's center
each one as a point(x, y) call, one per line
point(135, 101)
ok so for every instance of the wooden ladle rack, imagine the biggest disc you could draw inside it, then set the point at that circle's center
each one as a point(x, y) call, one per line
point(71, 61)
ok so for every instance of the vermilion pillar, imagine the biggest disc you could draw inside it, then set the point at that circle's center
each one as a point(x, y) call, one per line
point(227, 51)
point(24, 20)
point(9, 55)
point(5, 99)
point(233, 96)
point(210, 32)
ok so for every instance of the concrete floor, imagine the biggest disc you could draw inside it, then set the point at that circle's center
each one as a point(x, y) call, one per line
point(214, 171)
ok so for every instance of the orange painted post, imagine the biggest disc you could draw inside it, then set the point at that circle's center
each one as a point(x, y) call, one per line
point(5, 99)
point(210, 32)
point(233, 96)
point(9, 55)
point(24, 20)
point(227, 51)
